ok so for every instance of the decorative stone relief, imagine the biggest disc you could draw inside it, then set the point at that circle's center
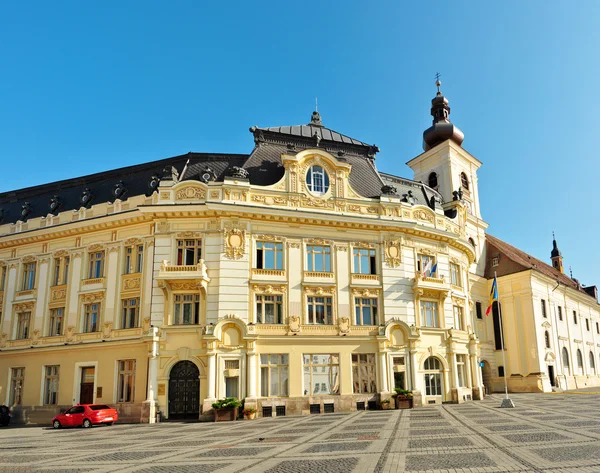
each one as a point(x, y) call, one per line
point(268, 289)
point(423, 215)
point(24, 306)
point(234, 242)
point(190, 193)
point(294, 323)
point(61, 253)
point(58, 294)
point(131, 284)
point(318, 241)
point(96, 247)
point(344, 325)
point(35, 337)
point(319, 291)
point(70, 334)
point(29, 259)
point(3, 339)
point(189, 235)
point(392, 251)
point(146, 325)
point(457, 301)
point(269, 238)
point(186, 285)
point(132, 241)
point(92, 297)
point(293, 244)
point(363, 244)
point(341, 248)
point(107, 330)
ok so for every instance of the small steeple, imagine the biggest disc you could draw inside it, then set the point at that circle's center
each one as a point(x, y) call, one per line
point(315, 119)
point(442, 129)
point(556, 256)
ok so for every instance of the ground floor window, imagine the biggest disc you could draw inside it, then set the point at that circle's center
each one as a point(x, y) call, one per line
point(433, 377)
point(17, 376)
point(126, 385)
point(399, 365)
point(460, 369)
point(274, 375)
point(51, 385)
point(363, 373)
point(321, 374)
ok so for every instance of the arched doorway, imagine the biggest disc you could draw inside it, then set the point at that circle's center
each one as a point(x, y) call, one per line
point(486, 373)
point(433, 374)
point(184, 391)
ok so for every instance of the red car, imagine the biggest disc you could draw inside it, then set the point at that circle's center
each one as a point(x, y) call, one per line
point(86, 415)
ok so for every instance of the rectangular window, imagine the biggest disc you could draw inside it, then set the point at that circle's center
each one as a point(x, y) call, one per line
point(126, 384)
point(55, 324)
point(29, 276)
point(425, 262)
point(96, 269)
point(318, 258)
point(130, 313)
point(187, 309)
point(575, 317)
point(587, 324)
point(3, 272)
point(51, 385)
point(559, 313)
point(319, 310)
point(134, 259)
point(61, 270)
point(544, 309)
point(478, 310)
point(365, 310)
point(321, 374)
point(269, 309)
point(460, 369)
point(458, 318)
point(91, 318)
point(455, 275)
point(363, 373)
point(274, 375)
point(429, 314)
point(189, 252)
point(17, 377)
point(364, 261)
point(23, 321)
point(269, 255)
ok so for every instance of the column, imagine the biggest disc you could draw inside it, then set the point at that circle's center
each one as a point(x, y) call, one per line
point(149, 408)
point(413, 370)
point(468, 372)
point(252, 359)
point(212, 371)
point(454, 371)
point(383, 370)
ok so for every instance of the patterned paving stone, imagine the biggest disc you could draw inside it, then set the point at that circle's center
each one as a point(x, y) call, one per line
point(233, 452)
point(509, 427)
point(571, 453)
point(579, 423)
point(434, 431)
point(295, 431)
point(352, 435)
point(340, 465)
point(123, 456)
point(536, 437)
point(448, 461)
point(439, 442)
point(338, 447)
point(197, 468)
point(363, 427)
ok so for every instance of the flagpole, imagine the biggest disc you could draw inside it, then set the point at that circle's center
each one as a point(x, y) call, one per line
point(507, 401)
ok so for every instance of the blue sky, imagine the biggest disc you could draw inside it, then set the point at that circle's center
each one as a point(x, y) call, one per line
point(90, 86)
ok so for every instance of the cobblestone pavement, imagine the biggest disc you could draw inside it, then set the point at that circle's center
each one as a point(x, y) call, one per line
point(544, 433)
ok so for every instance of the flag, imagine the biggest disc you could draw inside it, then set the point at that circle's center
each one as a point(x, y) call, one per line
point(493, 296)
point(434, 269)
point(427, 268)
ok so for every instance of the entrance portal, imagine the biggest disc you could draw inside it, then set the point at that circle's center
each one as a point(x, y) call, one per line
point(184, 391)
point(551, 375)
point(86, 390)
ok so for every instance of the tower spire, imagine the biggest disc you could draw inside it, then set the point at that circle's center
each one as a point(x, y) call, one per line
point(556, 256)
point(442, 128)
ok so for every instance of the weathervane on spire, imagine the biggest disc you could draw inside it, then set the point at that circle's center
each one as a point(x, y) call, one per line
point(438, 82)
point(316, 104)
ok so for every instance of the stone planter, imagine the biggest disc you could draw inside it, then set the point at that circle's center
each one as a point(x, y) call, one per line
point(226, 414)
point(385, 406)
point(250, 416)
point(404, 402)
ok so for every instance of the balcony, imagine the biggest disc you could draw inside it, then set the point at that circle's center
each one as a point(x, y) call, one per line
point(359, 279)
point(185, 277)
point(428, 284)
point(268, 274)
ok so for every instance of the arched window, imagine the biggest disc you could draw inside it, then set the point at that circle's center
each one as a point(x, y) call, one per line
point(592, 362)
point(317, 180)
point(579, 359)
point(433, 180)
point(565, 358)
point(464, 182)
point(547, 338)
point(472, 242)
point(433, 376)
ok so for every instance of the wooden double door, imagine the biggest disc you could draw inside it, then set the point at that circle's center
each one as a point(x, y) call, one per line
point(184, 391)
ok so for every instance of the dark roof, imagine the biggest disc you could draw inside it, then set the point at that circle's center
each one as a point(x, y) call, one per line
point(407, 188)
point(512, 260)
point(309, 131)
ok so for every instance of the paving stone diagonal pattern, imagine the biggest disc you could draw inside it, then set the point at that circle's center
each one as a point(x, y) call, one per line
point(543, 434)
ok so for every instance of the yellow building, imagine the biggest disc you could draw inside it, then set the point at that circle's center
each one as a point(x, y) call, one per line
point(298, 277)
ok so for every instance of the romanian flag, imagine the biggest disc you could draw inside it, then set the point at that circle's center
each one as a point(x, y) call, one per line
point(493, 296)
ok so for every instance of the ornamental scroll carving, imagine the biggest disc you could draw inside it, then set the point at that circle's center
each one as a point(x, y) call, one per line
point(186, 286)
point(294, 323)
point(131, 284)
point(92, 297)
point(319, 291)
point(363, 244)
point(70, 333)
point(344, 325)
point(24, 306)
point(28, 259)
point(96, 247)
point(234, 242)
point(293, 244)
point(392, 253)
point(61, 253)
point(268, 238)
point(318, 241)
point(132, 241)
point(365, 292)
point(3, 340)
point(58, 294)
point(268, 289)
point(190, 193)
point(35, 337)
point(423, 215)
point(458, 302)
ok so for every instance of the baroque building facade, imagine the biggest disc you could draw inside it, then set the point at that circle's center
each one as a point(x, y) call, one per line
point(298, 277)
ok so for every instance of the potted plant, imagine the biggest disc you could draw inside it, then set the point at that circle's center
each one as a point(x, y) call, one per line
point(226, 409)
point(403, 398)
point(385, 404)
point(249, 413)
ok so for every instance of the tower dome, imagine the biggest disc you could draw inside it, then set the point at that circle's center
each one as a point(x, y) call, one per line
point(442, 128)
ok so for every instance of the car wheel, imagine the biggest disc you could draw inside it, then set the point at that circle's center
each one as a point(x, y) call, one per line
point(56, 424)
point(86, 423)
point(109, 423)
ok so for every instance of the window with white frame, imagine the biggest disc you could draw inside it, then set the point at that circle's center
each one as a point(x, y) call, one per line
point(317, 180)
point(575, 317)
point(363, 373)
point(543, 305)
point(96, 265)
point(365, 260)
point(319, 310)
point(429, 314)
point(460, 369)
point(458, 318)
point(365, 309)
point(321, 374)
point(56, 321)
point(318, 258)
point(187, 309)
point(189, 252)
point(130, 311)
point(51, 385)
point(269, 255)
point(547, 339)
point(455, 275)
point(126, 382)
point(91, 317)
point(134, 259)
point(433, 376)
point(23, 325)
point(17, 378)
point(274, 375)
point(61, 270)
point(269, 309)
point(29, 276)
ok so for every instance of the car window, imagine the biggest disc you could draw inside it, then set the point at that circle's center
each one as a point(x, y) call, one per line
point(99, 407)
point(77, 410)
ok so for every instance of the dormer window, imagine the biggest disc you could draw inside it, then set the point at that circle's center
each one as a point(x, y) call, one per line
point(433, 180)
point(495, 261)
point(317, 180)
point(464, 182)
